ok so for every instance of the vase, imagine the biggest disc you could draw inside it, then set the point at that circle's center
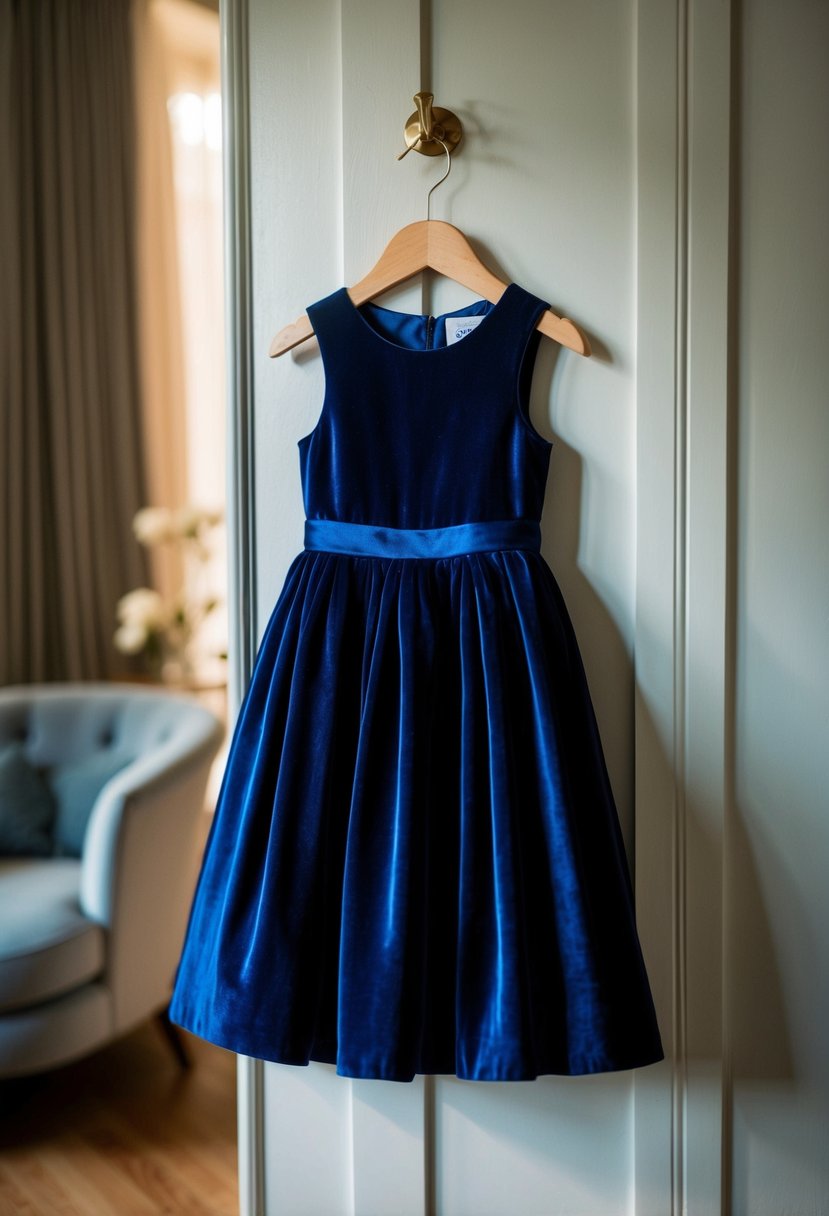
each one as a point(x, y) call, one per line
point(179, 668)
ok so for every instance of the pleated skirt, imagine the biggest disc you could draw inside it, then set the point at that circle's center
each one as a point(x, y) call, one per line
point(416, 865)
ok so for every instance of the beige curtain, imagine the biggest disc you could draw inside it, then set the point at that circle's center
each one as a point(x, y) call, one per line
point(161, 350)
point(72, 434)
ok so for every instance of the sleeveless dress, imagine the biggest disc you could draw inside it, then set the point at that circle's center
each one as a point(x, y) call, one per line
point(415, 864)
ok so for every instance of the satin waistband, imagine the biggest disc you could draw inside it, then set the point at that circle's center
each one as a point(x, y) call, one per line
point(369, 540)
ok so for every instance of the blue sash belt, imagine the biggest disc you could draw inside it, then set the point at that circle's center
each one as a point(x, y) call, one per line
point(369, 540)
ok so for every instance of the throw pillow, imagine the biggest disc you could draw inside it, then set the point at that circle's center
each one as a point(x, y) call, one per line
point(27, 806)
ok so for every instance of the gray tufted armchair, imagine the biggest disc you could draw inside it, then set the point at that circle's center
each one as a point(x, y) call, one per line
point(90, 933)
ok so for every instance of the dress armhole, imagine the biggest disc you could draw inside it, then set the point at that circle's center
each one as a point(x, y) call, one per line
point(523, 382)
point(316, 315)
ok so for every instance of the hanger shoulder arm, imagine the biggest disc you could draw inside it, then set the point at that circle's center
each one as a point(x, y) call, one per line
point(438, 246)
point(428, 245)
point(405, 255)
point(564, 331)
point(290, 336)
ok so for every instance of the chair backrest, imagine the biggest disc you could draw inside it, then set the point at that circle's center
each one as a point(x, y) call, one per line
point(78, 736)
point(58, 723)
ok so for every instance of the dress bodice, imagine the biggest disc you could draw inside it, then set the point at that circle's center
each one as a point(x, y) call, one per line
point(424, 422)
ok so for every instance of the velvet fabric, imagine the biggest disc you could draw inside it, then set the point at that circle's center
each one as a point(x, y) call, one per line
point(416, 864)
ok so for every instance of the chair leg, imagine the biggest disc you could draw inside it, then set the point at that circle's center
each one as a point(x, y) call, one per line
point(175, 1039)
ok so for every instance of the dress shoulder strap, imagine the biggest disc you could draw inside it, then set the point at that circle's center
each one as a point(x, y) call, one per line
point(323, 315)
point(526, 309)
point(520, 311)
point(332, 336)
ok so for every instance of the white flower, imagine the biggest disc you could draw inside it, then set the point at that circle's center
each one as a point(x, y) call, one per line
point(142, 609)
point(189, 520)
point(164, 629)
point(154, 525)
point(130, 638)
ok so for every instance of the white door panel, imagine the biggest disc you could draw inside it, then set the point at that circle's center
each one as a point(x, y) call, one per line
point(534, 1147)
point(545, 186)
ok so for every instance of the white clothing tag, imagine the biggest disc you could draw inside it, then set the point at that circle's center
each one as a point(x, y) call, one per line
point(459, 327)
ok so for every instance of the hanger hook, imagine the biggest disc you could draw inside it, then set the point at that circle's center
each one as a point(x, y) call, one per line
point(440, 180)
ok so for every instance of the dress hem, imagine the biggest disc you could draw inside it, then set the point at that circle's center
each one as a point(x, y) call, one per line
point(386, 1070)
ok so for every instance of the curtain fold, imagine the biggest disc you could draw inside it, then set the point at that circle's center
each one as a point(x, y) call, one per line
point(71, 425)
point(163, 377)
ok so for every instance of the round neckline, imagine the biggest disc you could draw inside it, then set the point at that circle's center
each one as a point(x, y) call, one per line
point(423, 316)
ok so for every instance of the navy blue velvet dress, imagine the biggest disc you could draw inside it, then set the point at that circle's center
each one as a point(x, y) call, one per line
point(416, 864)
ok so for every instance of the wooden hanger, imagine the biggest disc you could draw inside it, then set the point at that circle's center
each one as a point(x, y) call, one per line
point(432, 245)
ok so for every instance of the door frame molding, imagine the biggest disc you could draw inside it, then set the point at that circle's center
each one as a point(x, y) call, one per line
point(241, 496)
point(683, 664)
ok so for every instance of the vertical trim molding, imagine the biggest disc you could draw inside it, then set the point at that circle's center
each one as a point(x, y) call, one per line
point(658, 1151)
point(684, 105)
point(238, 331)
point(706, 590)
point(241, 498)
point(681, 610)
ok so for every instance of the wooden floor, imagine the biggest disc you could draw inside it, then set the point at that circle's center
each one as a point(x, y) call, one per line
point(126, 1132)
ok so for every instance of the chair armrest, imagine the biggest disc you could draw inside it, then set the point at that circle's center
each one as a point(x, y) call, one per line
point(139, 869)
point(139, 787)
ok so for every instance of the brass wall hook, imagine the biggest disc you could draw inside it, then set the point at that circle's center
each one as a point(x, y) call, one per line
point(431, 129)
